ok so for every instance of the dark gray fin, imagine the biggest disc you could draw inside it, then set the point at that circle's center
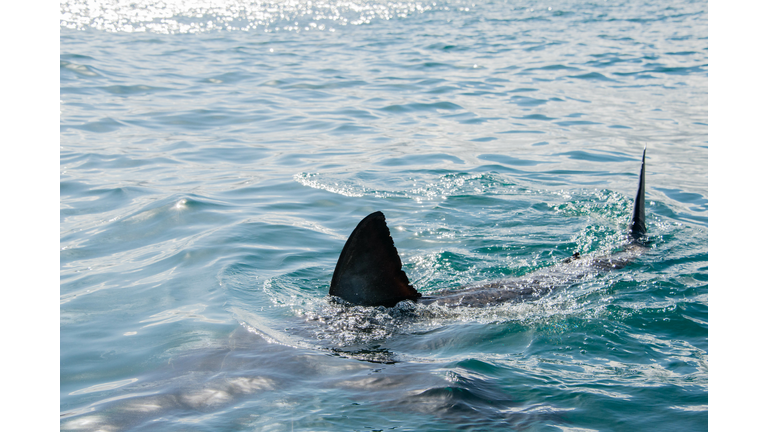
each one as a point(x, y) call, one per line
point(369, 271)
point(637, 225)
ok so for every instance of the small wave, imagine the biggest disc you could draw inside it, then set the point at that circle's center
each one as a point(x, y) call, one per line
point(438, 188)
point(421, 107)
point(316, 181)
point(105, 386)
point(82, 70)
point(191, 312)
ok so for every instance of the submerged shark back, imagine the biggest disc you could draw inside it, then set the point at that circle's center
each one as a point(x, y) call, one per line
point(369, 271)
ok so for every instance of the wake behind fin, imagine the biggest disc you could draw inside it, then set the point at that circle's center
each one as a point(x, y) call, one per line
point(369, 271)
point(637, 225)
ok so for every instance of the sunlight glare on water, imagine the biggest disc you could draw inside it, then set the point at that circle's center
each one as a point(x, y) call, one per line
point(189, 16)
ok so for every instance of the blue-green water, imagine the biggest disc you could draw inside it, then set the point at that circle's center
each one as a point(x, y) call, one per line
point(214, 159)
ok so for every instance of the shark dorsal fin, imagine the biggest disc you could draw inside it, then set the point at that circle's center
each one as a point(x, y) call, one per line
point(369, 271)
point(637, 225)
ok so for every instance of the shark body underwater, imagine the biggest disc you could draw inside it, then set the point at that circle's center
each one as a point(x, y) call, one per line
point(369, 273)
point(369, 270)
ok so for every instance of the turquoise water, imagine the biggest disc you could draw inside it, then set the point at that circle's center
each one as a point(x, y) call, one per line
point(214, 159)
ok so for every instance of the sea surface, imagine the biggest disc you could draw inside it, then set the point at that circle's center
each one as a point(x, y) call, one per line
point(215, 156)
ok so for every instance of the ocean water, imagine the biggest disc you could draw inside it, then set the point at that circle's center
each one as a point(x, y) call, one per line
point(216, 155)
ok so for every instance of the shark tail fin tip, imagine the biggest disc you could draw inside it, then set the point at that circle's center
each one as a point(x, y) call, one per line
point(637, 227)
point(369, 271)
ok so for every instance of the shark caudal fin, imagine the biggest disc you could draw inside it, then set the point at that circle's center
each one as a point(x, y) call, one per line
point(369, 271)
point(637, 225)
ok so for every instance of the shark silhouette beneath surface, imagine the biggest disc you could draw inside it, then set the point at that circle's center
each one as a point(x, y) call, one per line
point(369, 271)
